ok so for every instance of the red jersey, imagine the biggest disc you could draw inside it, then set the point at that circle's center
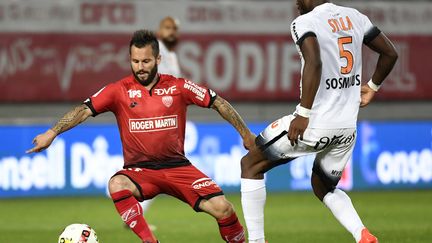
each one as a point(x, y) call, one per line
point(151, 122)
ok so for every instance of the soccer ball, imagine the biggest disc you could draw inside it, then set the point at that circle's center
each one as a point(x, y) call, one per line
point(78, 233)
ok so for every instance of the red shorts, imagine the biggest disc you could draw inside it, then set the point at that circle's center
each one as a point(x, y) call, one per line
point(186, 183)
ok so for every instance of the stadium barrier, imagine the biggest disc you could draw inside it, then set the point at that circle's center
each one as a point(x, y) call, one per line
point(388, 155)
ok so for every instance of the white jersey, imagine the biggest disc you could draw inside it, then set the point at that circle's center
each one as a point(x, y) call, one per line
point(169, 63)
point(340, 32)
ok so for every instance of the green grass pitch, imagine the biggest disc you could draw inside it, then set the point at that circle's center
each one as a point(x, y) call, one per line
point(396, 217)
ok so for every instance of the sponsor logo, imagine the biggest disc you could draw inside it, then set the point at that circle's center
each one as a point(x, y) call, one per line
point(168, 91)
point(153, 124)
point(134, 93)
point(324, 142)
point(343, 82)
point(194, 88)
point(203, 182)
point(167, 100)
point(131, 213)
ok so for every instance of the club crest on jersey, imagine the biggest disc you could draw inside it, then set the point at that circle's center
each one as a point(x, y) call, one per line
point(167, 100)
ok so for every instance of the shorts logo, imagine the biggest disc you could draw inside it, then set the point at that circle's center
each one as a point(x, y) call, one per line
point(324, 142)
point(275, 124)
point(167, 100)
point(153, 124)
point(203, 182)
point(131, 213)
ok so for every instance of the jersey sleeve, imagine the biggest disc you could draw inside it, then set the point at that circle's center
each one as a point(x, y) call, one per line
point(301, 28)
point(102, 101)
point(193, 93)
point(370, 31)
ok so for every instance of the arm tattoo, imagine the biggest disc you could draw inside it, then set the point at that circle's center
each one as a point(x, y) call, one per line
point(230, 114)
point(71, 119)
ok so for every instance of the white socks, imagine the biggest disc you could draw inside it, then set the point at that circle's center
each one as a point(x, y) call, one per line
point(253, 198)
point(342, 208)
point(146, 204)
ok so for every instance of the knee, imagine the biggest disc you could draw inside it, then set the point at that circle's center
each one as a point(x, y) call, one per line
point(119, 183)
point(246, 168)
point(222, 209)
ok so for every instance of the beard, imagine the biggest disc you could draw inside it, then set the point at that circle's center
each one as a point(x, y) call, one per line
point(170, 42)
point(149, 79)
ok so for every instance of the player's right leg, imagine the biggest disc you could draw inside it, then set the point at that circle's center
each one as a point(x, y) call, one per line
point(260, 159)
point(253, 192)
point(324, 181)
point(124, 194)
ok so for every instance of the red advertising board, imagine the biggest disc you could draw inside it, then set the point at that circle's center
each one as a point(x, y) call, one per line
point(242, 51)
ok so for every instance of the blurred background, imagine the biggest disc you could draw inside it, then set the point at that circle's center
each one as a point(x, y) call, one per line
point(55, 54)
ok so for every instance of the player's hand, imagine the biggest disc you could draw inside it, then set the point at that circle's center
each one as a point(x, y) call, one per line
point(249, 141)
point(42, 141)
point(296, 129)
point(367, 95)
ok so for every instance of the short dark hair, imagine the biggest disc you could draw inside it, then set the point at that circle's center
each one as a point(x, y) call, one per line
point(142, 38)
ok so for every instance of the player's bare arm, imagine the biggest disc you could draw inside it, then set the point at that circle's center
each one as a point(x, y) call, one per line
point(386, 61)
point(74, 117)
point(225, 109)
point(310, 83)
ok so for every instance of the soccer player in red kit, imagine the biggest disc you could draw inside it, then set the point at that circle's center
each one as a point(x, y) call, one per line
point(150, 109)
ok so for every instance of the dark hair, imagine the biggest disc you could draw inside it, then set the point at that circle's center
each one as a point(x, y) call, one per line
point(142, 38)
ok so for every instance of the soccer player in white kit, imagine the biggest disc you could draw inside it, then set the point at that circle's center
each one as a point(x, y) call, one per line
point(168, 40)
point(329, 39)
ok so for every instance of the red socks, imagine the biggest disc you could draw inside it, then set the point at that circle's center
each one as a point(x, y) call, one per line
point(131, 212)
point(231, 230)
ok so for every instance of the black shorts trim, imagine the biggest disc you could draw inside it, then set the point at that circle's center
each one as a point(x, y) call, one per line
point(134, 182)
point(153, 165)
point(371, 35)
point(259, 141)
point(206, 197)
point(299, 42)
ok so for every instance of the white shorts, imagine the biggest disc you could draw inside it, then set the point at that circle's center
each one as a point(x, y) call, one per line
point(333, 147)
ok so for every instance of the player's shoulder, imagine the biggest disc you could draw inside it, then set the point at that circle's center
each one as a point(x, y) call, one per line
point(350, 11)
point(169, 79)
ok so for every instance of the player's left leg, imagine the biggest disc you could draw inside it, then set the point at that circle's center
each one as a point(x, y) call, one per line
point(222, 210)
point(324, 183)
point(190, 185)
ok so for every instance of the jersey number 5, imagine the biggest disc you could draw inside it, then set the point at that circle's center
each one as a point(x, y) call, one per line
point(346, 54)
